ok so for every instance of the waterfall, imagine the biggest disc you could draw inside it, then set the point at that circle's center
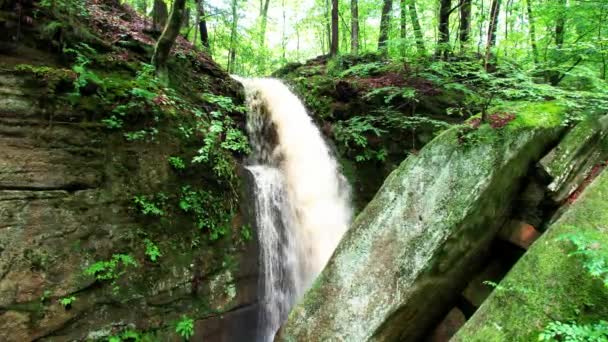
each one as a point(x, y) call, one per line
point(302, 201)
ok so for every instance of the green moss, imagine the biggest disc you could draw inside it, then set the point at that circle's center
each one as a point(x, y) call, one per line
point(535, 114)
point(547, 284)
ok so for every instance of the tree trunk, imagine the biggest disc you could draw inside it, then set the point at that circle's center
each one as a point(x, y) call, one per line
point(202, 25)
point(560, 24)
point(284, 33)
point(403, 28)
point(416, 26)
point(354, 35)
point(328, 23)
point(385, 24)
point(443, 42)
point(159, 15)
point(492, 31)
point(465, 23)
point(263, 22)
point(334, 28)
point(167, 39)
point(532, 32)
point(555, 76)
point(232, 47)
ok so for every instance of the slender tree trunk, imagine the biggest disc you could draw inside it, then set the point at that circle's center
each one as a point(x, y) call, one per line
point(560, 24)
point(328, 23)
point(532, 30)
point(465, 23)
point(602, 49)
point(556, 76)
point(443, 41)
point(263, 21)
point(159, 15)
point(385, 24)
point(416, 27)
point(354, 33)
point(167, 39)
point(284, 33)
point(492, 28)
point(334, 28)
point(507, 15)
point(403, 28)
point(481, 23)
point(232, 48)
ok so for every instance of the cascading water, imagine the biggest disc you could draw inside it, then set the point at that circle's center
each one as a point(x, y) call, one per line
point(302, 202)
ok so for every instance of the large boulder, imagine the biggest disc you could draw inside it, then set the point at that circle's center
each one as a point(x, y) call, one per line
point(548, 284)
point(409, 253)
point(569, 163)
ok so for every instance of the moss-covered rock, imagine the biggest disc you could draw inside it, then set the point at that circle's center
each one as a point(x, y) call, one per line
point(548, 284)
point(408, 254)
point(569, 163)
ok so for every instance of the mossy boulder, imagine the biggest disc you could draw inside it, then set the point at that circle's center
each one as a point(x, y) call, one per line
point(548, 284)
point(409, 253)
point(570, 162)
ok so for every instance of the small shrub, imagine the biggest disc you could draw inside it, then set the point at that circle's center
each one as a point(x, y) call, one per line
point(558, 331)
point(67, 301)
point(152, 250)
point(151, 206)
point(177, 163)
point(111, 270)
point(185, 327)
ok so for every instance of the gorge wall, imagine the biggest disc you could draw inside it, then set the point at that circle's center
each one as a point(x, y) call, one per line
point(101, 231)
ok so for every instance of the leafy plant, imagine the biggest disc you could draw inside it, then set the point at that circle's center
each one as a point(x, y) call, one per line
point(111, 269)
point(67, 301)
point(152, 250)
point(85, 76)
point(131, 335)
point(595, 259)
point(151, 206)
point(209, 211)
point(364, 70)
point(45, 296)
point(246, 234)
point(558, 331)
point(185, 327)
point(221, 136)
point(177, 163)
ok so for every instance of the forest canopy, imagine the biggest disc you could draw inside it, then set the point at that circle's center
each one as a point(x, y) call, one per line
point(555, 37)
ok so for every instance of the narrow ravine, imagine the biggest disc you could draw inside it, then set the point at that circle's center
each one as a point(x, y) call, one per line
point(302, 200)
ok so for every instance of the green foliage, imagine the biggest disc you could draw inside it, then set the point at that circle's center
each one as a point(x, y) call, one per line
point(67, 301)
point(111, 270)
point(85, 75)
point(185, 327)
point(364, 70)
point(131, 335)
point(210, 211)
point(151, 206)
point(391, 93)
point(246, 234)
point(573, 332)
point(138, 135)
point(594, 255)
point(353, 134)
point(66, 7)
point(177, 163)
point(45, 296)
point(222, 137)
point(152, 250)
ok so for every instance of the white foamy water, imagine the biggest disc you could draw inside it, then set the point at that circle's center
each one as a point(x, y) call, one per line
point(302, 201)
